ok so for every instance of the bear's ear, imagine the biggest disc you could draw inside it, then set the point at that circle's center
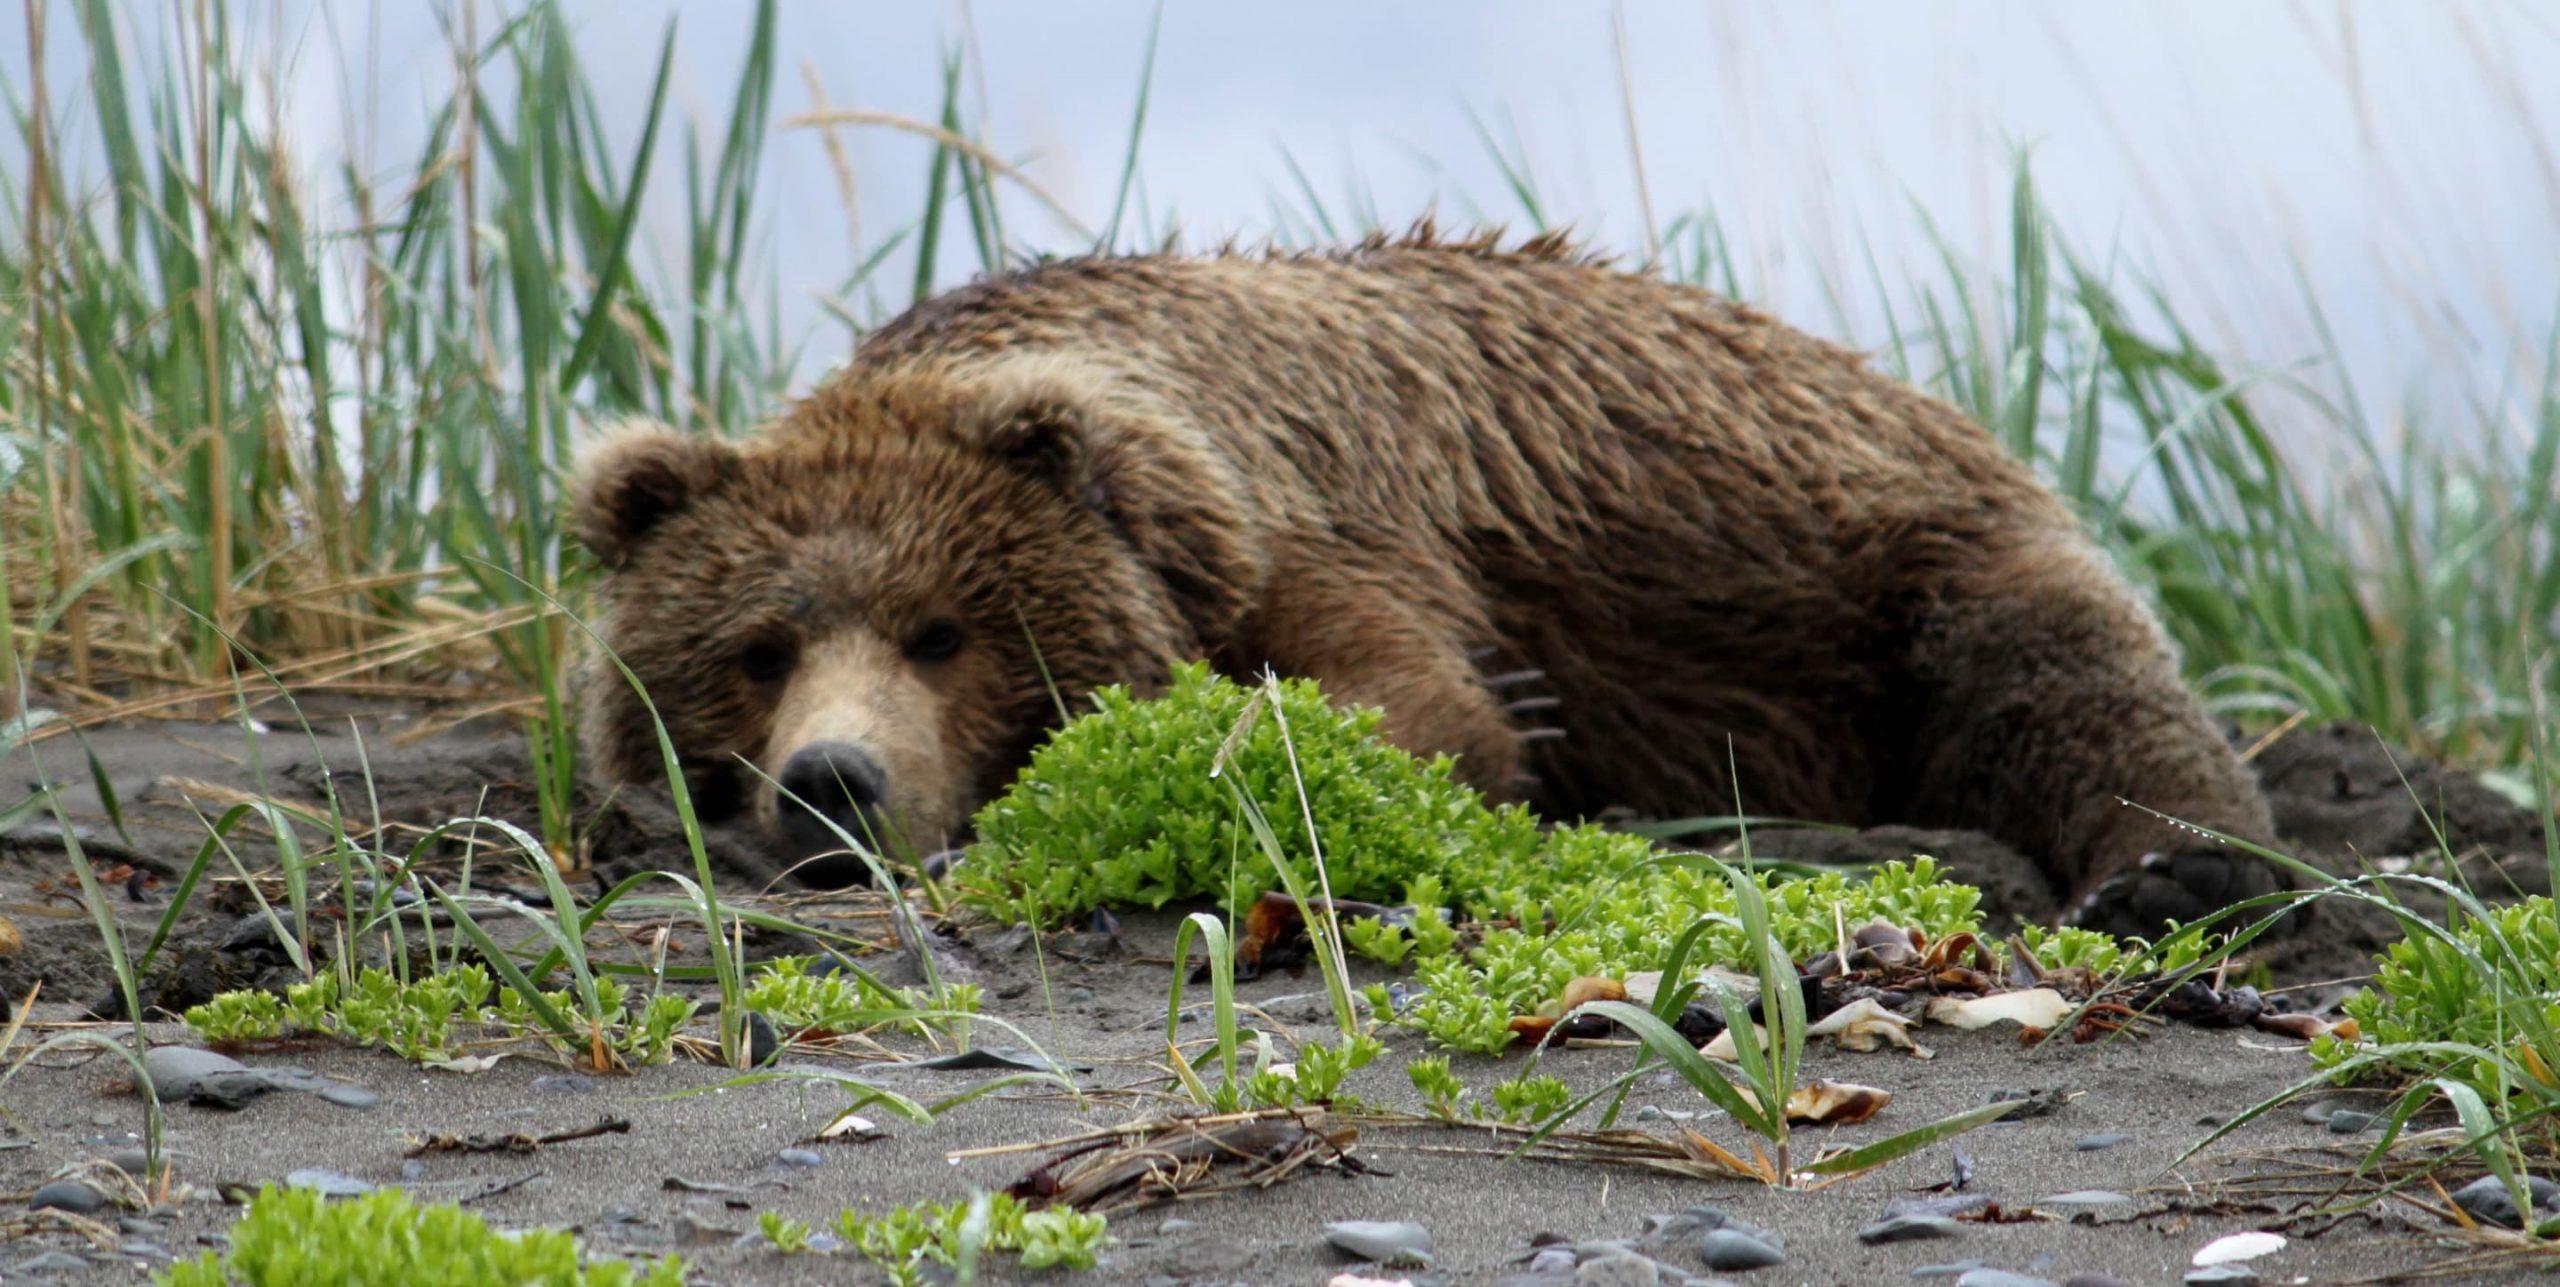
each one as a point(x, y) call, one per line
point(1159, 480)
point(636, 477)
point(1048, 442)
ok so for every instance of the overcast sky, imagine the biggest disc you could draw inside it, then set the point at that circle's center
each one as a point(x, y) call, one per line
point(2396, 162)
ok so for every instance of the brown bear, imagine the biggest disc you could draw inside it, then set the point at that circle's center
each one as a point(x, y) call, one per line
point(1589, 531)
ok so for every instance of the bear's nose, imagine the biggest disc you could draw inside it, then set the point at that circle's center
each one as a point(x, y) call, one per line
point(841, 783)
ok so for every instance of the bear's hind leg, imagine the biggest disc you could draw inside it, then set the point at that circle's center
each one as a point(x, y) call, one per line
point(2046, 697)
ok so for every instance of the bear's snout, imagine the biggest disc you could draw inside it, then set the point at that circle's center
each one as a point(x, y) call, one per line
point(840, 783)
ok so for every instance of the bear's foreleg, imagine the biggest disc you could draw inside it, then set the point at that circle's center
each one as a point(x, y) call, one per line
point(2051, 700)
point(1378, 640)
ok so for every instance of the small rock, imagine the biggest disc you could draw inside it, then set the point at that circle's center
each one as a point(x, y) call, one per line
point(2086, 1198)
point(763, 1043)
point(1734, 1249)
point(2094, 1143)
point(67, 1195)
point(2318, 1114)
point(175, 1070)
point(132, 1161)
point(2094, 1280)
point(1999, 1278)
point(136, 1227)
point(327, 1183)
point(1079, 996)
point(413, 1169)
point(1171, 1225)
point(51, 1262)
point(564, 1084)
point(1952, 1269)
point(1617, 1271)
point(349, 1095)
point(800, 1157)
point(1552, 1262)
point(142, 1250)
point(2221, 1276)
point(1378, 1239)
point(2347, 1121)
point(2487, 1200)
point(1909, 1228)
point(1939, 1204)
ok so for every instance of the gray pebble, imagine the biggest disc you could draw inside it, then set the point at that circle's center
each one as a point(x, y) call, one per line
point(1552, 1262)
point(52, 1262)
point(1937, 1204)
point(131, 1161)
point(2094, 1280)
point(413, 1169)
point(2093, 1143)
point(1734, 1249)
point(1175, 1224)
point(2347, 1121)
point(1378, 1239)
point(2486, 1199)
point(137, 1227)
point(564, 1084)
point(763, 1043)
point(176, 1070)
point(2318, 1113)
point(2221, 1276)
point(1952, 1269)
point(142, 1250)
point(1909, 1228)
point(349, 1095)
point(800, 1157)
point(67, 1195)
point(327, 1183)
point(1999, 1278)
point(2086, 1198)
point(1617, 1271)
point(1079, 996)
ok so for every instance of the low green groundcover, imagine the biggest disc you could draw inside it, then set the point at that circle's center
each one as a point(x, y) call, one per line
point(1121, 807)
point(383, 1239)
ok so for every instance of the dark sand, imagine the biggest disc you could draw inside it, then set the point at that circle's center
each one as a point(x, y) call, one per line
point(1481, 1211)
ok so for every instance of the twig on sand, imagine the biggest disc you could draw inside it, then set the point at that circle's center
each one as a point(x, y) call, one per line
point(1145, 1163)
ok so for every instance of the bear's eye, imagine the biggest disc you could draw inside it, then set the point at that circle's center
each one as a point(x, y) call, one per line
point(767, 661)
point(938, 641)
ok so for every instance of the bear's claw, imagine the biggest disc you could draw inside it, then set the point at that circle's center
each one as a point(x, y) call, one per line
point(2185, 886)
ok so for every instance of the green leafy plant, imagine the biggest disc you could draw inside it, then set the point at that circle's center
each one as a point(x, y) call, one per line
point(426, 1020)
point(2428, 992)
point(1316, 1076)
point(1119, 807)
point(385, 1239)
point(1754, 1091)
point(788, 1236)
point(797, 998)
point(1440, 1088)
point(904, 1240)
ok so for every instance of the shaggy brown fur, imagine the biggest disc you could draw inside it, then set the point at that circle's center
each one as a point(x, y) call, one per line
point(1412, 470)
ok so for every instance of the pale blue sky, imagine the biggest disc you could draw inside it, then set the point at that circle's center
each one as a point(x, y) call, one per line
point(2397, 159)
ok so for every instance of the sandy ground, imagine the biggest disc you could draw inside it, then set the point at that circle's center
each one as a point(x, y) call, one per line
point(62, 1109)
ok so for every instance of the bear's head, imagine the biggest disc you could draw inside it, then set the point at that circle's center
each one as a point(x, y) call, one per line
point(886, 600)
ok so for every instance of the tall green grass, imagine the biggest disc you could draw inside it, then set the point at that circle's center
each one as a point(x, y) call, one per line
point(323, 409)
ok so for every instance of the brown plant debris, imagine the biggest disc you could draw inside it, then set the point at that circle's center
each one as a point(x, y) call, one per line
point(419, 1145)
point(1145, 1163)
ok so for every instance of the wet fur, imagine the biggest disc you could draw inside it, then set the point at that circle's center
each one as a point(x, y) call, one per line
point(1403, 468)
